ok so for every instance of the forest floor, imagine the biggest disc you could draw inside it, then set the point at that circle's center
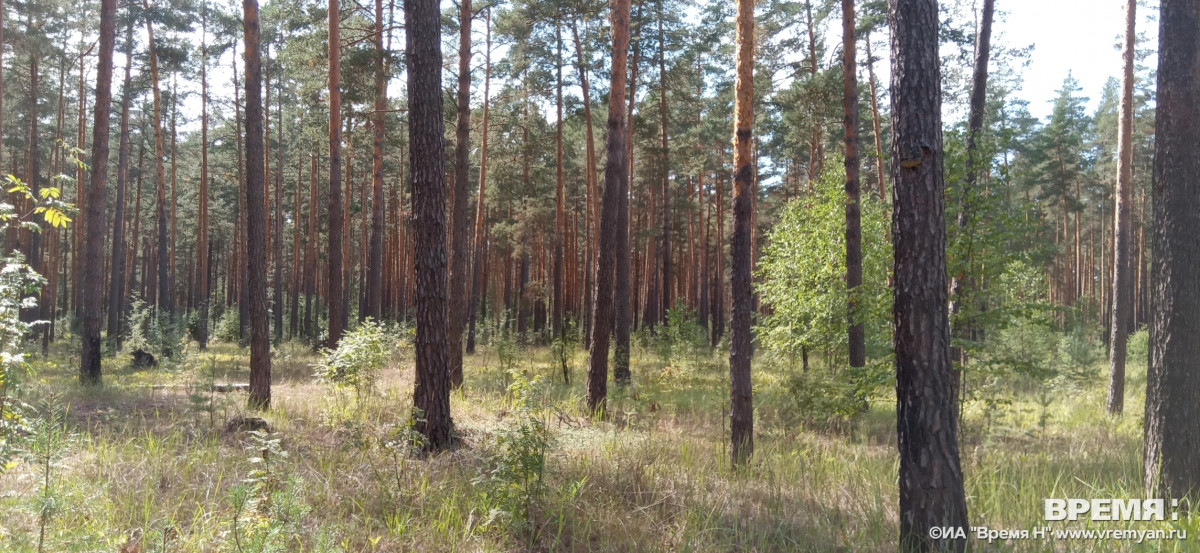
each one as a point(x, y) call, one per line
point(153, 453)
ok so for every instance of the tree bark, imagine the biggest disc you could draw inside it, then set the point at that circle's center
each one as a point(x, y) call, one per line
point(374, 292)
point(256, 224)
point(876, 122)
point(668, 301)
point(202, 245)
point(337, 305)
point(462, 169)
point(1172, 452)
point(741, 348)
point(479, 271)
point(855, 333)
point(116, 296)
point(1119, 321)
point(93, 268)
point(163, 295)
point(615, 174)
point(931, 483)
point(431, 393)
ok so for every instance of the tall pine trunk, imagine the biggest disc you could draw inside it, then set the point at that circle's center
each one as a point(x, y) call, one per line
point(202, 245)
point(1172, 448)
point(256, 224)
point(931, 481)
point(741, 347)
point(855, 333)
point(116, 289)
point(431, 392)
point(1119, 321)
point(479, 271)
point(462, 169)
point(374, 283)
point(93, 268)
point(334, 296)
point(163, 293)
point(616, 172)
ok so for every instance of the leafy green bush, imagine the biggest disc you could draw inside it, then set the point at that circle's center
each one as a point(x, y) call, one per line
point(361, 354)
point(802, 273)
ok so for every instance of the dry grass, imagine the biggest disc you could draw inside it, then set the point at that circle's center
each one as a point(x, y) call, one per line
point(152, 453)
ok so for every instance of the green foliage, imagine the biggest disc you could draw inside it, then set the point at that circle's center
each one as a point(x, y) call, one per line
point(681, 342)
point(157, 335)
point(49, 443)
point(801, 278)
point(267, 506)
point(229, 327)
point(18, 283)
point(1138, 346)
point(360, 355)
point(515, 487)
point(821, 398)
point(564, 346)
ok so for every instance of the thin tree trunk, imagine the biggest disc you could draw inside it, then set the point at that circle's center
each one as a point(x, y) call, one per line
point(116, 290)
point(479, 270)
point(374, 293)
point(202, 245)
point(1119, 321)
point(163, 295)
point(462, 169)
point(560, 215)
point(336, 303)
point(667, 299)
point(876, 123)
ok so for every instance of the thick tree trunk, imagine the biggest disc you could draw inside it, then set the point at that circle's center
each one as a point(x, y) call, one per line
point(336, 303)
point(1172, 458)
point(856, 335)
point(256, 224)
point(615, 174)
point(931, 482)
point(431, 393)
point(93, 268)
point(741, 348)
point(462, 170)
point(1119, 320)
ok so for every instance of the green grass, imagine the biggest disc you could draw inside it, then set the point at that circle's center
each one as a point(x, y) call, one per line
point(152, 455)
